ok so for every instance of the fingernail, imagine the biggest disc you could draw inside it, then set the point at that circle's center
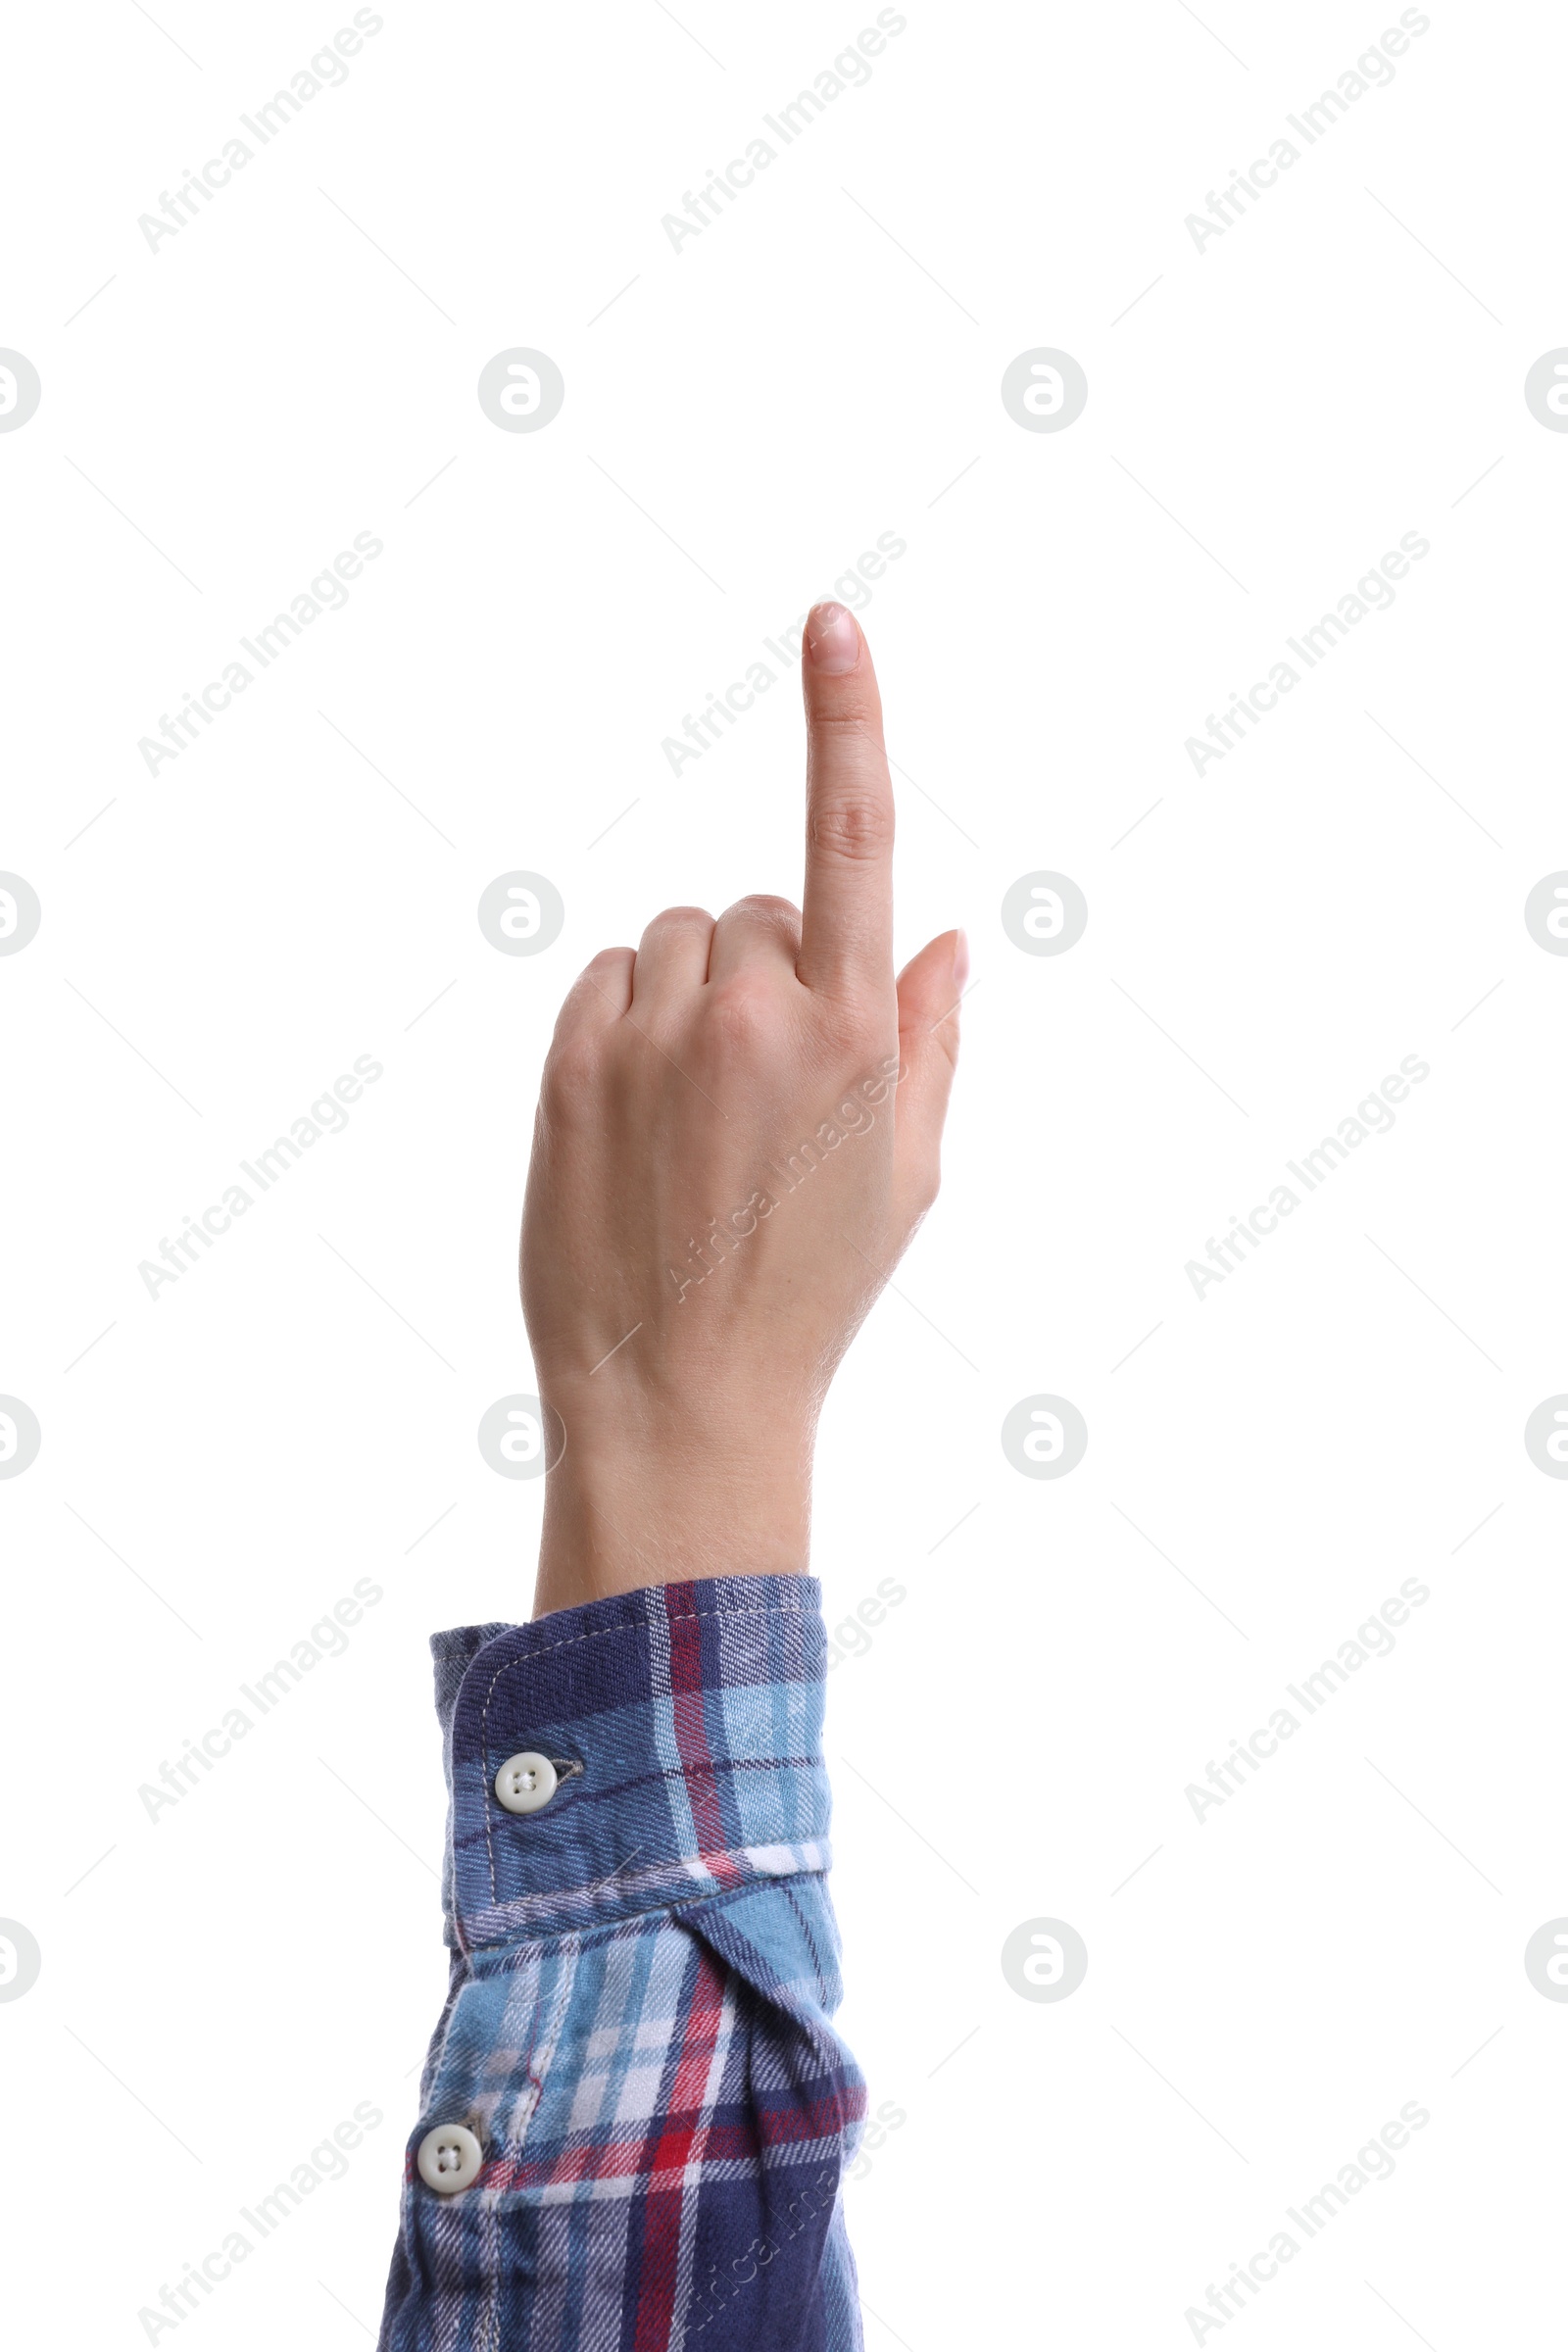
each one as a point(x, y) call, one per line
point(832, 639)
point(961, 961)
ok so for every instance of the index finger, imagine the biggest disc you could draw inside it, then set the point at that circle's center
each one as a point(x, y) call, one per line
point(847, 911)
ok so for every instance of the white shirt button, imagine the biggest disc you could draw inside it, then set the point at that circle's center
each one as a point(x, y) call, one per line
point(450, 2158)
point(525, 1782)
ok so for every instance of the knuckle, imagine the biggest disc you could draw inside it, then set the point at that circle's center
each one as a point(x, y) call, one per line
point(741, 1014)
point(920, 1196)
point(601, 982)
point(762, 902)
point(858, 825)
point(680, 918)
point(571, 1068)
point(852, 1025)
point(852, 721)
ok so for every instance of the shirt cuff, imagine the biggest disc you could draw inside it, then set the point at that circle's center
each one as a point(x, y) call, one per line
point(685, 1725)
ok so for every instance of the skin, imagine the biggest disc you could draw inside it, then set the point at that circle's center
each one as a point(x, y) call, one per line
point(682, 1079)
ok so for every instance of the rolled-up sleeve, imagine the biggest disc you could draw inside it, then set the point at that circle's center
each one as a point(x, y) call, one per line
point(636, 2113)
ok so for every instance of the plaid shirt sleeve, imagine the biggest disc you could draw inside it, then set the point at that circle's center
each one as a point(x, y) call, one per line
point(638, 2031)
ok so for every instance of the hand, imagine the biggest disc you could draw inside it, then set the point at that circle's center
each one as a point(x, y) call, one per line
point(738, 1132)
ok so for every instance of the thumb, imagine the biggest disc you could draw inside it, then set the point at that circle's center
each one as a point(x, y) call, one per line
point(930, 990)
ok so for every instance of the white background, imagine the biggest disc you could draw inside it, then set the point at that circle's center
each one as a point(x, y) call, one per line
point(1344, 365)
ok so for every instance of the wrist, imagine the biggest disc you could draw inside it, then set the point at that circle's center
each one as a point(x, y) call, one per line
point(621, 1513)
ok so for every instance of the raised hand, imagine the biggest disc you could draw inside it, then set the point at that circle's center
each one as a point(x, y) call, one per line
point(739, 1130)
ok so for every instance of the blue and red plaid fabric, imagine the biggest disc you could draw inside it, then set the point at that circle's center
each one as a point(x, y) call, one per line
point(644, 1972)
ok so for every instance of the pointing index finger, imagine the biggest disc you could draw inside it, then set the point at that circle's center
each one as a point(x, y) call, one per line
point(847, 912)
